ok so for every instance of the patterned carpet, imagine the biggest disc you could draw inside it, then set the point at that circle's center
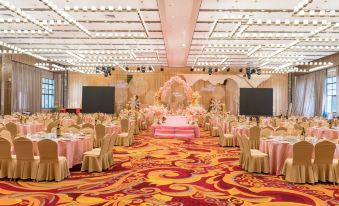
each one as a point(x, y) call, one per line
point(170, 172)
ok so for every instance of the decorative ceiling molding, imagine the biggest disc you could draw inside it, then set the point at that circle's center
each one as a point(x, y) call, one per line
point(242, 82)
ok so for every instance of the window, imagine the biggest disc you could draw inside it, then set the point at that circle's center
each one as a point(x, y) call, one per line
point(331, 91)
point(47, 99)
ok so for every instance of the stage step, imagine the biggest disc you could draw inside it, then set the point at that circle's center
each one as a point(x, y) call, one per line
point(172, 135)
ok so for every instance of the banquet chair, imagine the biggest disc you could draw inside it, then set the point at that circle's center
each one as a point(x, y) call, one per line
point(51, 166)
point(200, 120)
point(7, 135)
point(298, 169)
point(96, 160)
point(51, 125)
point(305, 125)
point(266, 132)
point(207, 124)
point(99, 135)
point(280, 131)
point(2, 128)
point(110, 150)
point(143, 122)
point(241, 155)
point(232, 124)
point(88, 131)
point(124, 125)
point(136, 128)
point(254, 137)
point(27, 164)
point(296, 132)
point(225, 140)
point(7, 161)
point(12, 128)
point(79, 119)
point(323, 164)
point(214, 132)
point(87, 125)
point(109, 153)
point(254, 160)
point(125, 138)
point(278, 122)
point(313, 124)
point(47, 122)
point(73, 128)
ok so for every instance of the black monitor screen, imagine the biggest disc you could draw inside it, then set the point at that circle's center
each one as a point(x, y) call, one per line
point(256, 101)
point(98, 99)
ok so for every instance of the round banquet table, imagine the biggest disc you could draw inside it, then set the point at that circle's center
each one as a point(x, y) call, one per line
point(278, 152)
point(72, 149)
point(320, 132)
point(30, 128)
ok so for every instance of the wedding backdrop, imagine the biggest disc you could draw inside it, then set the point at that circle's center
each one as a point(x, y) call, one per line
point(145, 86)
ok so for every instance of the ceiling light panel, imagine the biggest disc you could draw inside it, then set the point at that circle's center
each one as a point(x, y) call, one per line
point(102, 30)
point(270, 34)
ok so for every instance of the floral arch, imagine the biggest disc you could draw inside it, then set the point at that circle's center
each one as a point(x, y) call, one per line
point(176, 79)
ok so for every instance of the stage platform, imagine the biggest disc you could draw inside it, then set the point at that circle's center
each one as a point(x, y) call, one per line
point(175, 126)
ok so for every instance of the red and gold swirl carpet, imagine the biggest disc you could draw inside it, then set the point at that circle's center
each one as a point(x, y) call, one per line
point(171, 172)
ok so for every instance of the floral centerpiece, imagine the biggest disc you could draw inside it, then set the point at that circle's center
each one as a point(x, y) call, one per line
point(158, 111)
point(194, 112)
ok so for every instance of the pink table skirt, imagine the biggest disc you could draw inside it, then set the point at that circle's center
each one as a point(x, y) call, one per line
point(71, 149)
point(113, 128)
point(239, 131)
point(278, 152)
point(323, 133)
point(29, 128)
point(175, 130)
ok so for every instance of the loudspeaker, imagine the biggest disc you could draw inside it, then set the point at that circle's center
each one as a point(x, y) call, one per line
point(129, 78)
point(225, 82)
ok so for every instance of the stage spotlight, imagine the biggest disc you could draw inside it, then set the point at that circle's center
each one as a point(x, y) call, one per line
point(258, 71)
point(138, 68)
point(244, 75)
point(143, 69)
point(150, 68)
point(126, 68)
point(204, 69)
point(249, 72)
point(162, 69)
point(191, 69)
point(113, 68)
point(215, 70)
point(210, 70)
point(228, 69)
point(253, 71)
point(240, 70)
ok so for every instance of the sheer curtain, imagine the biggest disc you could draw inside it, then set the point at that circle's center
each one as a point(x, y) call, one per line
point(279, 83)
point(309, 94)
point(26, 88)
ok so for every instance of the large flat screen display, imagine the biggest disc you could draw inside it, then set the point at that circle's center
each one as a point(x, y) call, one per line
point(98, 99)
point(256, 101)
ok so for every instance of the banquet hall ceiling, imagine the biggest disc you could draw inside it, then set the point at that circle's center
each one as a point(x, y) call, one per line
point(267, 34)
